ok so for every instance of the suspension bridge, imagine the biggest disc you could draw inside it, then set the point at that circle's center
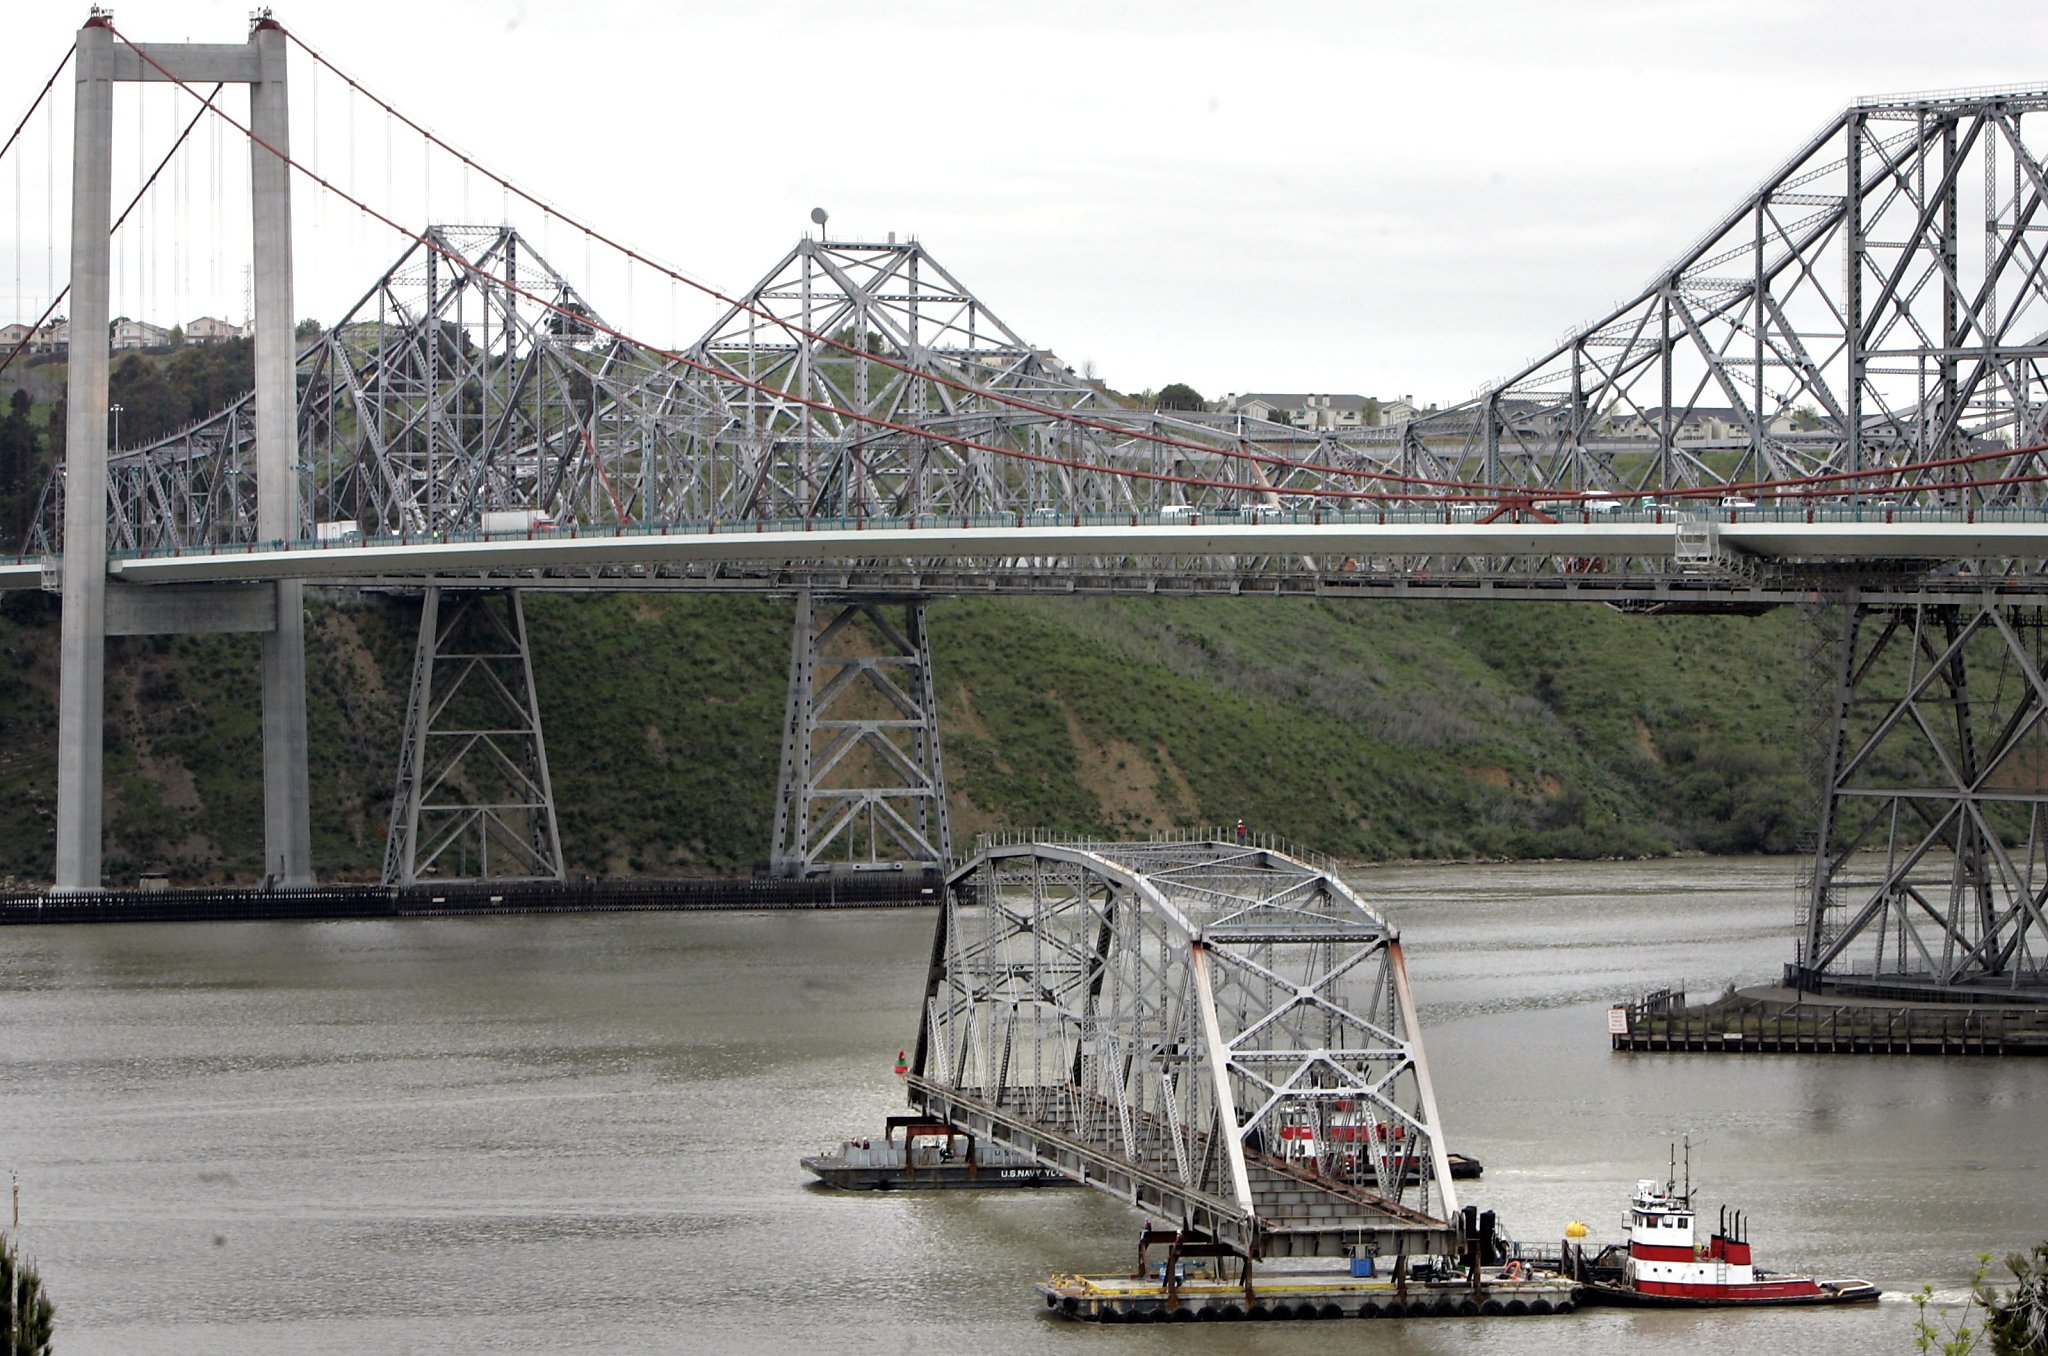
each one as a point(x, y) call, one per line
point(1832, 399)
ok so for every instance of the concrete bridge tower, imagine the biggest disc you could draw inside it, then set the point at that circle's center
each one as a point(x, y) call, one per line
point(275, 609)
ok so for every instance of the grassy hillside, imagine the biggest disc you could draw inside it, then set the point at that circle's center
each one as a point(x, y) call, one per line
point(1369, 730)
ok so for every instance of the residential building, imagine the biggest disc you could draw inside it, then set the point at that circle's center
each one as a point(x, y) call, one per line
point(208, 330)
point(54, 337)
point(138, 334)
point(1699, 424)
point(11, 336)
point(1316, 412)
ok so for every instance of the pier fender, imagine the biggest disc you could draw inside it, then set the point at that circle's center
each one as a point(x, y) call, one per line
point(1259, 1312)
point(1565, 1306)
point(1518, 1307)
point(1230, 1313)
point(1541, 1306)
point(1329, 1311)
point(1182, 1315)
point(1493, 1306)
point(1368, 1310)
point(1467, 1308)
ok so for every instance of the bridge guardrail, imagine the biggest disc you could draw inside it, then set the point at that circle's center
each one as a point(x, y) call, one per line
point(1458, 514)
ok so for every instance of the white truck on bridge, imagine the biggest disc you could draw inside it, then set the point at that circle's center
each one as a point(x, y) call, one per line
point(496, 521)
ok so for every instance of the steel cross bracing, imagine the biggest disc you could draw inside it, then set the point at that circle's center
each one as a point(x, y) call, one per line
point(1221, 1035)
point(862, 781)
point(1931, 867)
point(473, 799)
point(1878, 300)
point(443, 394)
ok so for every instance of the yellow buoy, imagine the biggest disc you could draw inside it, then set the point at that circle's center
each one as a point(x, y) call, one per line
point(1575, 1230)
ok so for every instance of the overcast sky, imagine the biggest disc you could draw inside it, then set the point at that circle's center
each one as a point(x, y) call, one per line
point(1381, 198)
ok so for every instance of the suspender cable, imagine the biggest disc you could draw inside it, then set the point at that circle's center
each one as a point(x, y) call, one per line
point(65, 291)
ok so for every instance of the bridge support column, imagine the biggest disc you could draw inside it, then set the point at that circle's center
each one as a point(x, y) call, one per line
point(81, 713)
point(474, 800)
point(1930, 871)
point(862, 781)
point(287, 817)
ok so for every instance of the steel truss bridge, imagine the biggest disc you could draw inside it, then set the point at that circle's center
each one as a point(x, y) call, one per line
point(1220, 1034)
point(1833, 399)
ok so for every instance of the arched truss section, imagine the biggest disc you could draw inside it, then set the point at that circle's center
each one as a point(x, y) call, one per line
point(1879, 300)
point(1222, 1035)
point(826, 335)
point(450, 390)
point(446, 392)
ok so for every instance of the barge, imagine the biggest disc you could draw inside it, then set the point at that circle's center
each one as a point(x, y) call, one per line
point(917, 1154)
point(1202, 1282)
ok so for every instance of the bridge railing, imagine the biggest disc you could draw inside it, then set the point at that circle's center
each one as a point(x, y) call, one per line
point(1226, 835)
point(1455, 514)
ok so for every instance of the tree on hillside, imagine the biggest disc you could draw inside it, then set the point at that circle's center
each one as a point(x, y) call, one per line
point(17, 471)
point(147, 408)
point(26, 1313)
point(206, 378)
point(1180, 396)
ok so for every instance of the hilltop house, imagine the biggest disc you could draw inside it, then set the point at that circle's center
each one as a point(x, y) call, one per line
point(138, 334)
point(1698, 424)
point(1318, 412)
point(208, 330)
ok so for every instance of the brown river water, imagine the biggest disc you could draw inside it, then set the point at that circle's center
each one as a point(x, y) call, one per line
point(580, 1134)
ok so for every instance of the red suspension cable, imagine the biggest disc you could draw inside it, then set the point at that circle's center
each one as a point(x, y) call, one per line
point(1469, 490)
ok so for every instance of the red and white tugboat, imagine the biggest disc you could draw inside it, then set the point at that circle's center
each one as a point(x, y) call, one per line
point(1666, 1265)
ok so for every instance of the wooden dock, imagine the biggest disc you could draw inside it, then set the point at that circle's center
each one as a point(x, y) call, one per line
point(1746, 1023)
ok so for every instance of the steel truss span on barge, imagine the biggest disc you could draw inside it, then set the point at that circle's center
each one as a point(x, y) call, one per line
point(1164, 1020)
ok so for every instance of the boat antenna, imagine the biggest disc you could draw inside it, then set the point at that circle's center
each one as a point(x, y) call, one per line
point(1688, 1167)
point(1671, 1171)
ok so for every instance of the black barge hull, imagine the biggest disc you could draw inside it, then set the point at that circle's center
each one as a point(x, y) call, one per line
point(941, 1177)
